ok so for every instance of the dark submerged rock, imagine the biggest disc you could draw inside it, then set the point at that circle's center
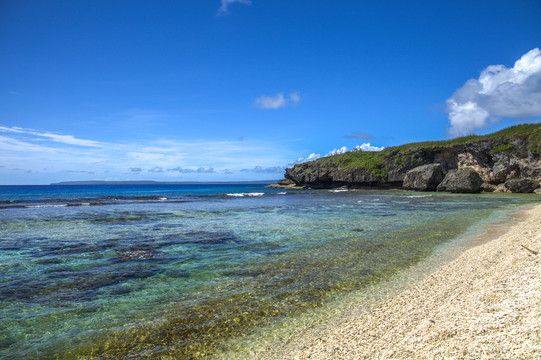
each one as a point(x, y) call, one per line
point(424, 178)
point(67, 284)
point(208, 237)
point(177, 273)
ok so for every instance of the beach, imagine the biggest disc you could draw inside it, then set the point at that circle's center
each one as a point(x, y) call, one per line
point(239, 271)
point(484, 304)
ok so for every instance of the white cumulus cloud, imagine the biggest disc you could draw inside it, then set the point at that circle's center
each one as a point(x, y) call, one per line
point(368, 147)
point(277, 101)
point(363, 147)
point(311, 157)
point(342, 150)
point(498, 92)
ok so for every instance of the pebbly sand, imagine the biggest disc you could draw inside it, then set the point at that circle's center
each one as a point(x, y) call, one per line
point(484, 304)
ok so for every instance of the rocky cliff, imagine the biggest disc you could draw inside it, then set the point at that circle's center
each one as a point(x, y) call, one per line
point(513, 153)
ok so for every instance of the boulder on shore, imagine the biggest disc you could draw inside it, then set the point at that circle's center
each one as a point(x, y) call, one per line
point(424, 178)
point(443, 185)
point(522, 185)
point(465, 180)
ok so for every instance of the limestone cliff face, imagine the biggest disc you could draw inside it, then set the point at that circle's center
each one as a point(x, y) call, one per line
point(496, 159)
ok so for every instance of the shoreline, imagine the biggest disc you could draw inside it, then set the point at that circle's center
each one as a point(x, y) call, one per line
point(477, 297)
point(484, 304)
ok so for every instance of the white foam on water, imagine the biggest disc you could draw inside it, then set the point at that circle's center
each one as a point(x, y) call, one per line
point(246, 194)
point(45, 206)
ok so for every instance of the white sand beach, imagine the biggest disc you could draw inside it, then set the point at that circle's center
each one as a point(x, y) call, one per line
point(485, 304)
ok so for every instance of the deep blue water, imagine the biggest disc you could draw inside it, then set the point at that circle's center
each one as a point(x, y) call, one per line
point(182, 270)
point(17, 196)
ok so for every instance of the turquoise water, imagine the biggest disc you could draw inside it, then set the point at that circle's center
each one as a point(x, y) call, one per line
point(179, 271)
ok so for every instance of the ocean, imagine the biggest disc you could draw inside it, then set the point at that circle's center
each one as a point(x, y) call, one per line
point(188, 271)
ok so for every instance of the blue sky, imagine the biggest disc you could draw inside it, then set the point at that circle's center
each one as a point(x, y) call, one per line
point(212, 90)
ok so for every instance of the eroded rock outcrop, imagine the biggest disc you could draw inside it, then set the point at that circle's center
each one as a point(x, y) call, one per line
point(465, 180)
point(524, 186)
point(513, 153)
point(424, 178)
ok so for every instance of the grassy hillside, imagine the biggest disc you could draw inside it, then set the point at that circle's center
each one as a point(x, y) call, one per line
point(373, 160)
point(533, 130)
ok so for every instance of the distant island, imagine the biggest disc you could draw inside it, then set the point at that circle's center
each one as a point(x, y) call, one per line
point(150, 182)
point(506, 161)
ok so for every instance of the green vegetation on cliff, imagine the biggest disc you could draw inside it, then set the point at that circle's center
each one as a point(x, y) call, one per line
point(369, 160)
point(501, 148)
point(378, 163)
point(533, 131)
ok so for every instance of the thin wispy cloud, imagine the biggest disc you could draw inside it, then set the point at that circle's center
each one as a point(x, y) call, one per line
point(63, 139)
point(138, 115)
point(80, 172)
point(70, 140)
point(11, 145)
point(294, 98)
point(277, 101)
point(23, 170)
point(156, 169)
point(39, 156)
point(498, 92)
point(359, 135)
point(266, 170)
point(146, 157)
point(164, 157)
point(199, 170)
point(224, 7)
point(54, 153)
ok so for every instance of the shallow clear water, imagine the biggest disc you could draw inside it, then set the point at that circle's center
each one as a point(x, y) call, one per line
point(180, 270)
